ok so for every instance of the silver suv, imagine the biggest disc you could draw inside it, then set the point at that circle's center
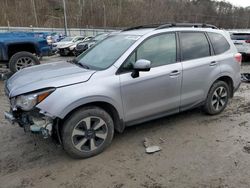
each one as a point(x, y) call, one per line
point(133, 76)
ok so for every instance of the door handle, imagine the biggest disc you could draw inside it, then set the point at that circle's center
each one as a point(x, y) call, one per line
point(174, 73)
point(213, 63)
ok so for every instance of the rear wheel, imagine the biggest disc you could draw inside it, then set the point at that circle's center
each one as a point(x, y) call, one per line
point(217, 98)
point(22, 60)
point(87, 132)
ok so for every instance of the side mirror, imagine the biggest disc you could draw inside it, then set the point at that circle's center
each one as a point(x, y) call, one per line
point(140, 65)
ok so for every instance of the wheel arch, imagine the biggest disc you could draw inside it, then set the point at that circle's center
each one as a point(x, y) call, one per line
point(19, 47)
point(229, 82)
point(108, 107)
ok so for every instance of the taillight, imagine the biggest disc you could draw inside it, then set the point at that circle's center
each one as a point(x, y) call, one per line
point(238, 57)
point(247, 41)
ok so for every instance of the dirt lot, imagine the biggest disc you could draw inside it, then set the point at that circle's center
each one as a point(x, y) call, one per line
point(197, 151)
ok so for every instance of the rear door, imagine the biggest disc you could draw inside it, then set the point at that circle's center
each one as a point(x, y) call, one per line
point(199, 68)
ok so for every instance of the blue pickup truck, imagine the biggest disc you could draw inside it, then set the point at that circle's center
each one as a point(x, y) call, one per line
point(22, 49)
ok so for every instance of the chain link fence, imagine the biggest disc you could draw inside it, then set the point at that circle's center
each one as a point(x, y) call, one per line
point(79, 31)
point(71, 31)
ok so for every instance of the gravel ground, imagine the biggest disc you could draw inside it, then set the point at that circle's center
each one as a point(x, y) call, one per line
point(197, 151)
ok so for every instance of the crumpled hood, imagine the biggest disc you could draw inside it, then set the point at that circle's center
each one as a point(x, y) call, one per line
point(51, 75)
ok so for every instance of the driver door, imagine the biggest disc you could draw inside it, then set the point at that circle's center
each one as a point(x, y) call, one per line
point(157, 92)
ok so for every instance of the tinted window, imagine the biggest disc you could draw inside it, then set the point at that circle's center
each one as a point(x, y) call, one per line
point(240, 36)
point(194, 45)
point(105, 53)
point(219, 43)
point(160, 50)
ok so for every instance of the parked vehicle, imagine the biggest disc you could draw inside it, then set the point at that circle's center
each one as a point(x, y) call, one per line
point(70, 49)
point(64, 46)
point(84, 45)
point(242, 43)
point(134, 76)
point(19, 49)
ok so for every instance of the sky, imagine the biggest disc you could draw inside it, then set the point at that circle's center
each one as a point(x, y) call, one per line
point(242, 3)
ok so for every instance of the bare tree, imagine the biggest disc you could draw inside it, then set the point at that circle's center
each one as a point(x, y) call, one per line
point(121, 13)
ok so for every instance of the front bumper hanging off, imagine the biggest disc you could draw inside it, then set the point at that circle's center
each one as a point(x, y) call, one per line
point(33, 123)
point(9, 116)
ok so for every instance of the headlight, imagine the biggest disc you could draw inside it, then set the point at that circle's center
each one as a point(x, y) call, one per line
point(28, 102)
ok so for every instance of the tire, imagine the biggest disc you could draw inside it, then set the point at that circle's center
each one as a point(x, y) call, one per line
point(22, 60)
point(80, 130)
point(243, 58)
point(217, 98)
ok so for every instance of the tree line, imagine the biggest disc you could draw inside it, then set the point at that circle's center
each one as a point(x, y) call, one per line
point(121, 13)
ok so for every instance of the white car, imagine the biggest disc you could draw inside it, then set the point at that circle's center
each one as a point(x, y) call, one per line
point(67, 43)
point(242, 43)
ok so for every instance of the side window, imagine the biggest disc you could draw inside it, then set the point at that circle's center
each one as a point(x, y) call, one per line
point(160, 50)
point(194, 45)
point(219, 43)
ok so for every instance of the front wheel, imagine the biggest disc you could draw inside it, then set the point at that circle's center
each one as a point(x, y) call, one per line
point(217, 98)
point(87, 132)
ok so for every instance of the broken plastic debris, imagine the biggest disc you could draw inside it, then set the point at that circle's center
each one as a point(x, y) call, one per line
point(149, 148)
point(153, 149)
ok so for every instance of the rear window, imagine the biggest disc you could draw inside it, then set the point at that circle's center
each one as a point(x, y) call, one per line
point(219, 43)
point(240, 36)
point(194, 45)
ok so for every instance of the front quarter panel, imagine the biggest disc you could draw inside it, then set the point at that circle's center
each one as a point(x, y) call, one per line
point(99, 88)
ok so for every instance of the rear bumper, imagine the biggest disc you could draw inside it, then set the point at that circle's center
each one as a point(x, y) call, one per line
point(237, 87)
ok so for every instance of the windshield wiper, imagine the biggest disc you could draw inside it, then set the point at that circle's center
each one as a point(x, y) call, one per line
point(83, 65)
point(74, 61)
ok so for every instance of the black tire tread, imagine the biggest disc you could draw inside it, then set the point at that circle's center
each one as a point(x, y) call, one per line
point(75, 117)
point(16, 56)
point(207, 106)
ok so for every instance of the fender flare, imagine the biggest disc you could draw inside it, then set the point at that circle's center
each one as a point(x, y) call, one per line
point(85, 101)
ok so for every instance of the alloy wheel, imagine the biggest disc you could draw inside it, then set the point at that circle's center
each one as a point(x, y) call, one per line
point(89, 134)
point(219, 98)
point(24, 62)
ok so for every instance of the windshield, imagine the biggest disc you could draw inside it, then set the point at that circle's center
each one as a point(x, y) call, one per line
point(67, 39)
point(100, 37)
point(105, 53)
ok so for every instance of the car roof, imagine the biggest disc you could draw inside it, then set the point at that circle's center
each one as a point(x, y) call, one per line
point(145, 29)
point(141, 32)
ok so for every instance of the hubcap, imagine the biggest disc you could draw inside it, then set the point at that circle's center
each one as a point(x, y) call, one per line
point(219, 98)
point(24, 62)
point(89, 134)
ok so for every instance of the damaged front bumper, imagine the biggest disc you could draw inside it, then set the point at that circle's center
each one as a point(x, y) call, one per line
point(9, 116)
point(31, 121)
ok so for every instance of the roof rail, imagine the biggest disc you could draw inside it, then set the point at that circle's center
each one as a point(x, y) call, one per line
point(195, 25)
point(169, 25)
point(142, 27)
